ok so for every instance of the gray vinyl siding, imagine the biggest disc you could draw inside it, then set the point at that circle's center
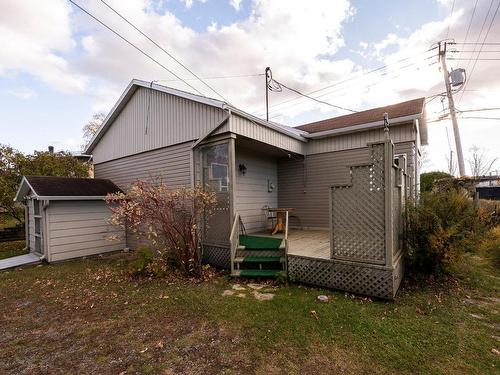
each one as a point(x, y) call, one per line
point(398, 134)
point(242, 126)
point(408, 148)
point(307, 190)
point(80, 228)
point(152, 120)
point(172, 164)
point(252, 188)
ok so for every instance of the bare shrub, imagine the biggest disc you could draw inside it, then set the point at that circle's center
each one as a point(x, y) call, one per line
point(168, 219)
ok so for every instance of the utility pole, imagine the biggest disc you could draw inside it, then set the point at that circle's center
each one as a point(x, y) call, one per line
point(267, 76)
point(451, 105)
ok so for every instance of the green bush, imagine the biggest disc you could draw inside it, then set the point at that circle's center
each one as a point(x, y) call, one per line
point(427, 179)
point(439, 229)
point(490, 246)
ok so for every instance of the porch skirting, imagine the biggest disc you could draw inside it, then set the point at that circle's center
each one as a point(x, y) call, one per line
point(360, 278)
point(217, 256)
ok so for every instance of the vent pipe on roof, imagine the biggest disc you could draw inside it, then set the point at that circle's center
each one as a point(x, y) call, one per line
point(51, 149)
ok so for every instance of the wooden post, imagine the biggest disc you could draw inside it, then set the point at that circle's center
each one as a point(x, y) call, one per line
point(388, 186)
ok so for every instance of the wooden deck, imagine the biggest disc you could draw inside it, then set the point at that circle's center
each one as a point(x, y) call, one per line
point(310, 243)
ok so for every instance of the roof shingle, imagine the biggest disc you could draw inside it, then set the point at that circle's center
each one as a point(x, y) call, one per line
point(46, 186)
point(408, 108)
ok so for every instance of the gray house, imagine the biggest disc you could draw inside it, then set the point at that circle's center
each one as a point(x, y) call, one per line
point(336, 186)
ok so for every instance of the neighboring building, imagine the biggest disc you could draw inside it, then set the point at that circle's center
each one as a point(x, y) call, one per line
point(252, 164)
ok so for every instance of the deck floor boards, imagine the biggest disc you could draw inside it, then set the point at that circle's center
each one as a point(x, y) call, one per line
point(313, 243)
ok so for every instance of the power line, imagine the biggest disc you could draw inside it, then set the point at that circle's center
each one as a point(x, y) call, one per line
point(340, 90)
point(479, 109)
point(213, 78)
point(133, 45)
point(482, 118)
point(481, 59)
point(451, 15)
point(472, 43)
point(470, 22)
point(478, 38)
point(480, 49)
point(163, 49)
point(312, 98)
point(354, 77)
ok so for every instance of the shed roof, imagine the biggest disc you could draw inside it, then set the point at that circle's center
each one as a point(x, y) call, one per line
point(65, 188)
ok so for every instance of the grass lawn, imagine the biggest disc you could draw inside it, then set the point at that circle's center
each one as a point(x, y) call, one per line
point(11, 249)
point(86, 316)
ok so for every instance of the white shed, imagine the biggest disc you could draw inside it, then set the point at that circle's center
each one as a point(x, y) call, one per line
point(67, 217)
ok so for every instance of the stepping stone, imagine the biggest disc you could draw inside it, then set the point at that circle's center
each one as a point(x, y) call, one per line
point(241, 295)
point(256, 286)
point(227, 293)
point(263, 296)
point(238, 287)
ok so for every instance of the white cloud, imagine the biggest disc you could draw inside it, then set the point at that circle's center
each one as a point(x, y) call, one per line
point(235, 4)
point(69, 51)
point(36, 44)
point(24, 93)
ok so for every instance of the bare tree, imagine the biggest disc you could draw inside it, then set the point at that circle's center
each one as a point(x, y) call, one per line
point(423, 161)
point(90, 128)
point(479, 162)
point(452, 164)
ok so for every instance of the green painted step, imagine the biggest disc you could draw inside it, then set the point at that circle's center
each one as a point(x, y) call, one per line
point(259, 273)
point(260, 243)
point(256, 259)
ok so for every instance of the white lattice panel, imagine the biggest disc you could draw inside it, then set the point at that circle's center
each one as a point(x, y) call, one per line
point(358, 213)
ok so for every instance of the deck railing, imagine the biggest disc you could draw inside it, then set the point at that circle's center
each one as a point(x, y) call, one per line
point(234, 238)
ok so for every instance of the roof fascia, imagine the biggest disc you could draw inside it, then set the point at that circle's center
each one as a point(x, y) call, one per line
point(24, 183)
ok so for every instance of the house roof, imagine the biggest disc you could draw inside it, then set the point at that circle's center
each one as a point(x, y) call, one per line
point(65, 188)
point(135, 84)
point(409, 108)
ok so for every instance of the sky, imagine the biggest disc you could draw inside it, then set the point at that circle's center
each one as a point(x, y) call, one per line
point(58, 66)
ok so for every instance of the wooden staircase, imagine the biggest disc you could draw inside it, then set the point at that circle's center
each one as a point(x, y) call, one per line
point(257, 261)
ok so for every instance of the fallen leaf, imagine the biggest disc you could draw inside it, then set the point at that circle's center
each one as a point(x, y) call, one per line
point(314, 314)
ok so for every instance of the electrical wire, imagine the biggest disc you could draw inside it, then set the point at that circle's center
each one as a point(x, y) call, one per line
point(451, 15)
point(480, 49)
point(381, 68)
point(213, 78)
point(349, 86)
point(133, 45)
point(164, 50)
point(313, 98)
point(470, 22)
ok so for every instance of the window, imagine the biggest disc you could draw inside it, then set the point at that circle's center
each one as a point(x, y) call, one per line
point(216, 167)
